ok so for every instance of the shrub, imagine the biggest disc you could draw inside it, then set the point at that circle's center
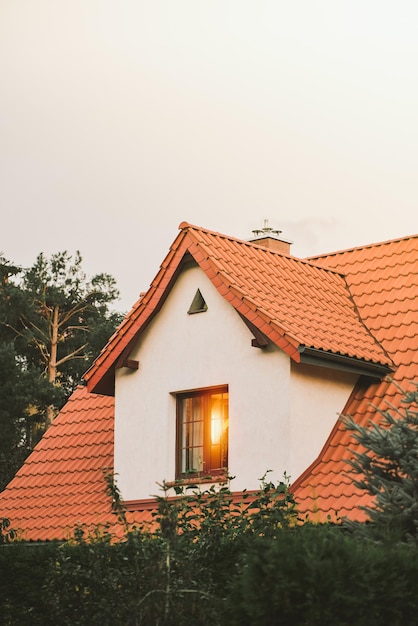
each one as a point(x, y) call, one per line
point(24, 569)
point(178, 572)
point(323, 577)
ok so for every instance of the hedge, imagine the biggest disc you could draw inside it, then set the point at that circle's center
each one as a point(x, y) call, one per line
point(323, 577)
point(316, 575)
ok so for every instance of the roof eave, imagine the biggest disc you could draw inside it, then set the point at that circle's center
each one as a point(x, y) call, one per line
point(322, 358)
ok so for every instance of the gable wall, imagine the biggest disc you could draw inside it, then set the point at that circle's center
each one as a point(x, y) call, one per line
point(268, 425)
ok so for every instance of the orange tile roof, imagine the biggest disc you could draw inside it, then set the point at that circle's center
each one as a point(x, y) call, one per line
point(383, 279)
point(61, 484)
point(295, 303)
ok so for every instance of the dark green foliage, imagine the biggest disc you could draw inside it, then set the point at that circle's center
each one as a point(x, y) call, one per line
point(23, 571)
point(24, 395)
point(178, 571)
point(60, 295)
point(306, 575)
point(320, 576)
point(53, 322)
point(388, 469)
point(210, 561)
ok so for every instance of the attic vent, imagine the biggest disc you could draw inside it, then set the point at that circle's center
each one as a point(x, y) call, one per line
point(198, 305)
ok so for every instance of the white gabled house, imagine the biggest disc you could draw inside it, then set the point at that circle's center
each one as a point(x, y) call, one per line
point(237, 360)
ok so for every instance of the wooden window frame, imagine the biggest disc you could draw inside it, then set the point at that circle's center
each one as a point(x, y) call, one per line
point(207, 467)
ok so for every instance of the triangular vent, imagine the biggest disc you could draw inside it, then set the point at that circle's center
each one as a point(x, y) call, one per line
point(198, 305)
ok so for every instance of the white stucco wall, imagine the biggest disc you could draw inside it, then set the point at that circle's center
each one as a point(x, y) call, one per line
point(318, 396)
point(279, 415)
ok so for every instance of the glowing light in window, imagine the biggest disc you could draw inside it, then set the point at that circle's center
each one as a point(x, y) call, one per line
point(216, 427)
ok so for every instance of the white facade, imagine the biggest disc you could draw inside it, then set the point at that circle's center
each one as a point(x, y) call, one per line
point(280, 413)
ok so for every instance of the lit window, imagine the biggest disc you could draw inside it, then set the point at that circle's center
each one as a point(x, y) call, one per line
point(202, 433)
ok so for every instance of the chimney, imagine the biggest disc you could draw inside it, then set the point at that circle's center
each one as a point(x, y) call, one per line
point(270, 238)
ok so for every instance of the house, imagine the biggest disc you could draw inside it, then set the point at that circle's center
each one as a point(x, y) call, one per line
point(237, 360)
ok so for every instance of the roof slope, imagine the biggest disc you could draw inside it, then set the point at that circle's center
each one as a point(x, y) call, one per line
point(295, 303)
point(61, 484)
point(383, 279)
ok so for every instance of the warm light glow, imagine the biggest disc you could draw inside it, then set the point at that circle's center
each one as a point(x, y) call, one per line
point(216, 427)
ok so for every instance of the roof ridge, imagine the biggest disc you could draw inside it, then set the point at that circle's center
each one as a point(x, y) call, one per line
point(377, 244)
point(304, 260)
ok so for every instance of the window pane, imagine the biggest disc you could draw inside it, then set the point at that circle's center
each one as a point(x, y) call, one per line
point(192, 419)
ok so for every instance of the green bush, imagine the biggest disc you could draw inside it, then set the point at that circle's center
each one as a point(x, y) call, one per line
point(96, 582)
point(211, 561)
point(23, 572)
point(323, 576)
point(176, 574)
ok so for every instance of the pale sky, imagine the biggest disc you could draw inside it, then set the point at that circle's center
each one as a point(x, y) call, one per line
point(121, 119)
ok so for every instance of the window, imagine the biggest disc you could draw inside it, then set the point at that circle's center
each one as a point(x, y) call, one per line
point(202, 432)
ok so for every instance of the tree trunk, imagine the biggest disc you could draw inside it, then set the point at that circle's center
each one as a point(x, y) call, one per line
point(52, 363)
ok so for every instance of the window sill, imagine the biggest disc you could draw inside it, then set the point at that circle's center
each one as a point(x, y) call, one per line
point(198, 480)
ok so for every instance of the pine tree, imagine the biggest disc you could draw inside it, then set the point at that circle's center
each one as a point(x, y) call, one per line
point(69, 319)
point(387, 465)
point(53, 322)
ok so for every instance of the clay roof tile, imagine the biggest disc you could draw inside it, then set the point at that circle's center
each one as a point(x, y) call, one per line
point(387, 301)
